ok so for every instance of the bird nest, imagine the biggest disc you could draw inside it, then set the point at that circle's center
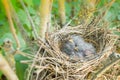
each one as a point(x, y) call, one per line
point(51, 63)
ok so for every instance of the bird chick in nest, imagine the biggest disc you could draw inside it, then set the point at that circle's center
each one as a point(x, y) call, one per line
point(76, 47)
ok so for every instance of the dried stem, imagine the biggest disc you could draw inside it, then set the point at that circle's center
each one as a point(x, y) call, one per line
point(19, 24)
point(30, 20)
point(6, 69)
point(105, 68)
point(32, 65)
point(8, 13)
point(45, 16)
point(62, 11)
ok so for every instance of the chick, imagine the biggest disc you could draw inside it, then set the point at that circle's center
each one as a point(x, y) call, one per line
point(68, 47)
point(85, 47)
point(76, 46)
point(88, 49)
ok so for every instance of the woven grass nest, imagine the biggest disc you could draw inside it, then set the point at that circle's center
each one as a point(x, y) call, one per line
point(50, 63)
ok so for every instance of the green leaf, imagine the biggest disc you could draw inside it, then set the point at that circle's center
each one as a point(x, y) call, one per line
point(118, 17)
point(31, 10)
point(29, 3)
point(117, 33)
point(1, 74)
point(20, 67)
point(36, 3)
point(23, 17)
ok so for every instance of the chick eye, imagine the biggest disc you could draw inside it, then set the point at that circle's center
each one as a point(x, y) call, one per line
point(75, 45)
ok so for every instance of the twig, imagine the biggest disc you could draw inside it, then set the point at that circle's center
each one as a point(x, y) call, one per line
point(30, 19)
point(33, 64)
point(106, 67)
point(19, 24)
point(69, 22)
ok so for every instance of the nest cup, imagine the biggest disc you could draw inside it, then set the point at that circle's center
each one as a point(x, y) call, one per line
point(52, 64)
point(101, 38)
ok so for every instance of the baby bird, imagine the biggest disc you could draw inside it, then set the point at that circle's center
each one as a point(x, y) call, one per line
point(77, 47)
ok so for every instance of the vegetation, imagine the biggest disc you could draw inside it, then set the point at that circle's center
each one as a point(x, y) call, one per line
point(29, 27)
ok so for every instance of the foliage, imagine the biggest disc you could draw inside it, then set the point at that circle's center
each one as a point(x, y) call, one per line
point(20, 67)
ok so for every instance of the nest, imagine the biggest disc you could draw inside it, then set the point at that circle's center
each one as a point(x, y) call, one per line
point(50, 63)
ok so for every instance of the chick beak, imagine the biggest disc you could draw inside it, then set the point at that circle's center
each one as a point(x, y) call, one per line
point(71, 40)
point(76, 48)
